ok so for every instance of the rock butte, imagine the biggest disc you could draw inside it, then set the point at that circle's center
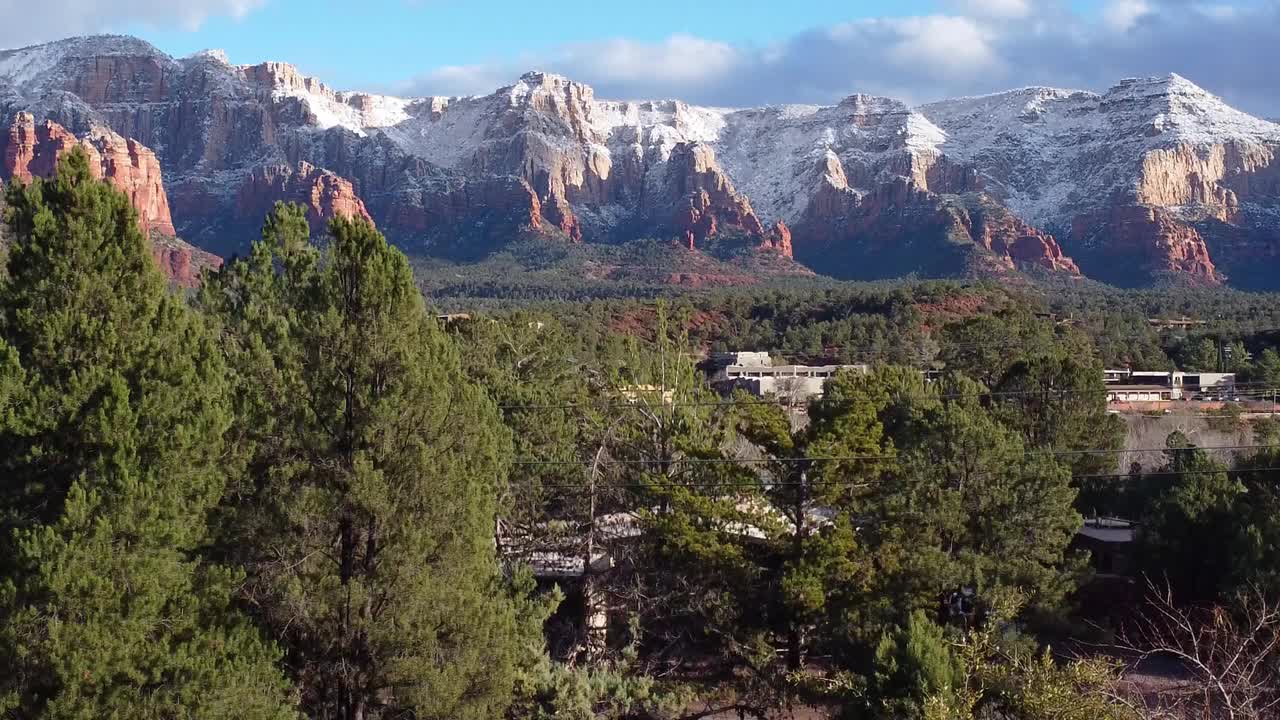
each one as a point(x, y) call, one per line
point(30, 149)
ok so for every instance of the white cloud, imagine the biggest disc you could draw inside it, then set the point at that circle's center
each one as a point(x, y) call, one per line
point(1121, 15)
point(1217, 11)
point(1006, 9)
point(678, 60)
point(947, 46)
point(459, 80)
point(1229, 46)
point(25, 24)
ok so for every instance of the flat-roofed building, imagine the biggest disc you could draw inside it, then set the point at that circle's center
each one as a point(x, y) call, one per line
point(798, 383)
point(1159, 385)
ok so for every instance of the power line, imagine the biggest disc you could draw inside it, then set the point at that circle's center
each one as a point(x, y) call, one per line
point(873, 482)
point(882, 457)
point(1252, 389)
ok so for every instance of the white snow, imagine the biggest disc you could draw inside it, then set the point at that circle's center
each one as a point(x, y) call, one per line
point(1045, 151)
point(22, 67)
point(1048, 150)
point(357, 112)
point(38, 63)
point(217, 55)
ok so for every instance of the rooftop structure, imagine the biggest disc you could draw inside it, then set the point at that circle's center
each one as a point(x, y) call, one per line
point(1159, 385)
point(798, 383)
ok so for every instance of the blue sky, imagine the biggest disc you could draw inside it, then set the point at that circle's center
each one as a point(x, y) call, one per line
point(387, 41)
point(383, 42)
point(722, 52)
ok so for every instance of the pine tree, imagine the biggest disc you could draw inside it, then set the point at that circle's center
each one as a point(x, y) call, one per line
point(367, 521)
point(1059, 402)
point(971, 509)
point(1188, 534)
point(667, 439)
point(113, 404)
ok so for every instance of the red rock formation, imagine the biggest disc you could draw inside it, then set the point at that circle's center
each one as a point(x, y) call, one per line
point(557, 212)
point(1153, 236)
point(511, 198)
point(900, 214)
point(709, 204)
point(135, 76)
point(182, 262)
point(779, 240)
point(32, 150)
point(1005, 234)
point(134, 169)
point(324, 194)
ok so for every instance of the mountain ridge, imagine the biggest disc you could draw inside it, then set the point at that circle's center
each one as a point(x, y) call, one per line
point(1155, 177)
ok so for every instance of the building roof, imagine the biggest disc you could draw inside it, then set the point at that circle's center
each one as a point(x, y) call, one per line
point(1109, 530)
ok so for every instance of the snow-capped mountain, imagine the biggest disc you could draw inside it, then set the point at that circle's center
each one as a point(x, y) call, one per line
point(1154, 178)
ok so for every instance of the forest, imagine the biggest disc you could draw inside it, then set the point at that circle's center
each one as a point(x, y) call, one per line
point(301, 491)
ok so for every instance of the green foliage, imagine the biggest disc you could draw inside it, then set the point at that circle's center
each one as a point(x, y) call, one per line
point(1255, 555)
point(1059, 402)
point(1199, 356)
point(1002, 678)
point(372, 469)
point(544, 385)
point(985, 347)
point(1189, 528)
point(912, 664)
point(113, 403)
point(1267, 369)
point(971, 508)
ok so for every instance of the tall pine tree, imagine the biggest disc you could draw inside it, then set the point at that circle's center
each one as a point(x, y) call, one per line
point(113, 405)
point(367, 520)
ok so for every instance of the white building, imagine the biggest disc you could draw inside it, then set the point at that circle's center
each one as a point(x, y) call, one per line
point(745, 359)
point(798, 383)
point(1159, 385)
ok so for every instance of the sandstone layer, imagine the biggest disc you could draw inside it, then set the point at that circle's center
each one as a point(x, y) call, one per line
point(31, 149)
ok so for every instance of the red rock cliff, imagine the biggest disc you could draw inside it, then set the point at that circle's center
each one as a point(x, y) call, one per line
point(324, 194)
point(706, 203)
point(1008, 236)
point(32, 149)
point(901, 214)
point(1154, 237)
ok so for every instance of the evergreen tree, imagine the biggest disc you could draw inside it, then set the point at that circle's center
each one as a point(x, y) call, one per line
point(113, 404)
point(1199, 356)
point(912, 664)
point(986, 346)
point(1189, 531)
point(822, 475)
point(765, 553)
point(1059, 402)
point(1255, 558)
point(1267, 370)
point(367, 522)
point(971, 509)
point(668, 445)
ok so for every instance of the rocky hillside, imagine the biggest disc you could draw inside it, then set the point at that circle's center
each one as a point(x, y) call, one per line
point(1152, 181)
point(30, 149)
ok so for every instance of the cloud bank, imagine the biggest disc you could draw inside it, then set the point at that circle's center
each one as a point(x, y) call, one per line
point(968, 47)
point(23, 24)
